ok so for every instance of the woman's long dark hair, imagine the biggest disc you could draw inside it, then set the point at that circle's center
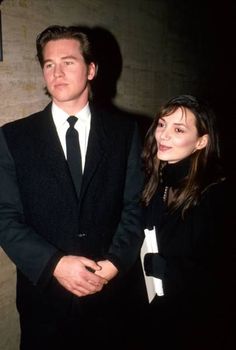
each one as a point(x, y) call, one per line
point(205, 168)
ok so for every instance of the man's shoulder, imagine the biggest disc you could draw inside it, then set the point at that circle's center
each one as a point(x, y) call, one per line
point(26, 121)
point(113, 119)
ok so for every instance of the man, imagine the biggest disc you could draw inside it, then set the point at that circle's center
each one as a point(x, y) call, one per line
point(75, 244)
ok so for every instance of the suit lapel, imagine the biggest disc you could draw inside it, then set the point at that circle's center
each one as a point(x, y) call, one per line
point(50, 151)
point(95, 149)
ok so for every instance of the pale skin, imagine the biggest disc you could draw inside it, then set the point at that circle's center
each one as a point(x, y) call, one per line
point(67, 79)
point(177, 137)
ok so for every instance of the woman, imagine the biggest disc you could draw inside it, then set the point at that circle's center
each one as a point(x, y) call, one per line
point(184, 197)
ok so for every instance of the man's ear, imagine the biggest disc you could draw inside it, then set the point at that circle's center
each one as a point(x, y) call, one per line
point(92, 71)
point(202, 141)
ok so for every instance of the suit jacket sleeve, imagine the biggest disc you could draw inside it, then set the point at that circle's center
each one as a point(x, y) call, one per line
point(30, 252)
point(129, 235)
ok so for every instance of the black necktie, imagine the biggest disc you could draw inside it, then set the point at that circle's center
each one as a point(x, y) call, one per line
point(73, 153)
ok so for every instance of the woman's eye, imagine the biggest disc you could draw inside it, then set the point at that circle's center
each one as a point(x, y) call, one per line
point(178, 130)
point(160, 125)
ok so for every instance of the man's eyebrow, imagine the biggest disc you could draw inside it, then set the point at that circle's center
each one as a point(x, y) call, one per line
point(69, 57)
point(63, 58)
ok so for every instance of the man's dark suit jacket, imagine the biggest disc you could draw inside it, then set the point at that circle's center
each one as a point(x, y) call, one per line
point(41, 218)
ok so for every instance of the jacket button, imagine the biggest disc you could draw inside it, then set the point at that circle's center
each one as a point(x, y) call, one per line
point(80, 235)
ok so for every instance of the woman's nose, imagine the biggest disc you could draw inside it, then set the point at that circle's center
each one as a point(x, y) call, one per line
point(165, 135)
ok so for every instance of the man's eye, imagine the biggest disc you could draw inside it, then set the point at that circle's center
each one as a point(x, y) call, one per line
point(48, 65)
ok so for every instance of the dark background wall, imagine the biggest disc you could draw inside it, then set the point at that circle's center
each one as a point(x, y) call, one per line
point(209, 30)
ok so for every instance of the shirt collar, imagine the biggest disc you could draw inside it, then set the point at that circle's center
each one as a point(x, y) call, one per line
point(60, 116)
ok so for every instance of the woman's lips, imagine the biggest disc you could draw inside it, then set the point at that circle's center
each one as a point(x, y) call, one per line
point(163, 148)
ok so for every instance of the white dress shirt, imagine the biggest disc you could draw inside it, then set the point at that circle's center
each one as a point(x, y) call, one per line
point(82, 126)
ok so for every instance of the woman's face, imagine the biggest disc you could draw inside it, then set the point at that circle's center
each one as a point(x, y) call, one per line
point(177, 137)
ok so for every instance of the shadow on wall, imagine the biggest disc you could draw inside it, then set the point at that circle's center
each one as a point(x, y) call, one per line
point(218, 36)
point(209, 29)
point(104, 87)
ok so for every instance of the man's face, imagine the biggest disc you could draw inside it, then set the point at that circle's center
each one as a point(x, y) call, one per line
point(65, 72)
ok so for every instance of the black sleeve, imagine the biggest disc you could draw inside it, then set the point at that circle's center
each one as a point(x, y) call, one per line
point(129, 235)
point(28, 250)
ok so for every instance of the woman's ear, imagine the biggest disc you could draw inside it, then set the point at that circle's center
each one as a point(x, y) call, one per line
point(202, 141)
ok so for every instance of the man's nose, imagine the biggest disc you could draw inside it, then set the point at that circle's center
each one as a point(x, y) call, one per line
point(58, 71)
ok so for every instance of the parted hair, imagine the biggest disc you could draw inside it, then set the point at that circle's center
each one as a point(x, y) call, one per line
point(56, 32)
